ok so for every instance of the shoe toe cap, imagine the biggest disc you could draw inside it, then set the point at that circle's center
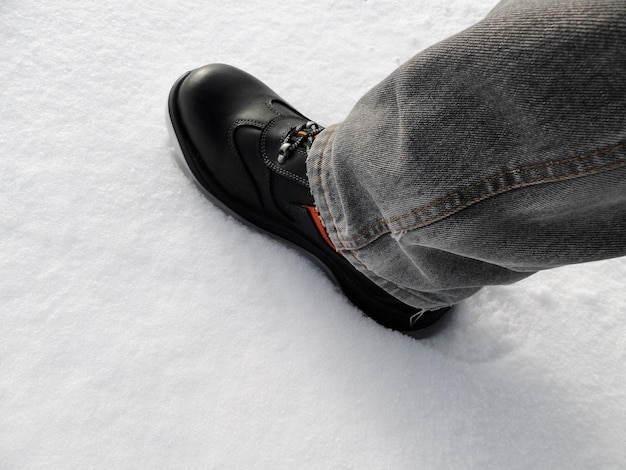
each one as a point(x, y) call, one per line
point(216, 95)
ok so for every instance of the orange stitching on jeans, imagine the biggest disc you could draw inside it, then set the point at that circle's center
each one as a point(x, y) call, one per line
point(484, 196)
point(512, 186)
point(319, 177)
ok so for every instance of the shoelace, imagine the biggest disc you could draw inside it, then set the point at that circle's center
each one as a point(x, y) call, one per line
point(301, 135)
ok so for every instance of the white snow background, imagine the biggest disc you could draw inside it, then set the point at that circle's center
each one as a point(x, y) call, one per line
point(140, 327)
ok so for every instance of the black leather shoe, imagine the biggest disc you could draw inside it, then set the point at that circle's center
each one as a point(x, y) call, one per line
point(246, 149)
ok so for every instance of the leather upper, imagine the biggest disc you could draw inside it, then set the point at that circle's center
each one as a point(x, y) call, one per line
point(237, 124)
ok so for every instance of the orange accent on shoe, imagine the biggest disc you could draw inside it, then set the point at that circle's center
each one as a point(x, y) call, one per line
point(302, 132)
point(320, 227)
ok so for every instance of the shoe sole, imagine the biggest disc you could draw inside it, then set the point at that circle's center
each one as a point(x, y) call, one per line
point(182, 162)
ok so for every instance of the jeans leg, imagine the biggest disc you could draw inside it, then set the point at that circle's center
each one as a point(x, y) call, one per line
point(496, 153)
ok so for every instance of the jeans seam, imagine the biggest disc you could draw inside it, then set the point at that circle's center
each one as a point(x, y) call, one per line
point(381, 226)
point(320, 179)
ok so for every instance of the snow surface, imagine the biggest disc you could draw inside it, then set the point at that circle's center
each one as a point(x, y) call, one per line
point(143, 328)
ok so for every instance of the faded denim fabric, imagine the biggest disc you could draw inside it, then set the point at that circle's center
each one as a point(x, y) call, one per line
point(494, 154)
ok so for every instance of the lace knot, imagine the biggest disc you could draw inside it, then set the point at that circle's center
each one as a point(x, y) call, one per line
point(303, 135)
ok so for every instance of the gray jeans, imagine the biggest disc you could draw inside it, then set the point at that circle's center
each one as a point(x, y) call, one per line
point(494, 154)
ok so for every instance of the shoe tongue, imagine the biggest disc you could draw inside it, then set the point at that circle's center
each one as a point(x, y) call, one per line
point(273, 137)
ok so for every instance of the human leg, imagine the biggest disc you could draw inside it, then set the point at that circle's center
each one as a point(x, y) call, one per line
point(491, 155)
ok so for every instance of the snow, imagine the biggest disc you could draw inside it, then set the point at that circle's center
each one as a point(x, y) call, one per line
point(143, 328)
